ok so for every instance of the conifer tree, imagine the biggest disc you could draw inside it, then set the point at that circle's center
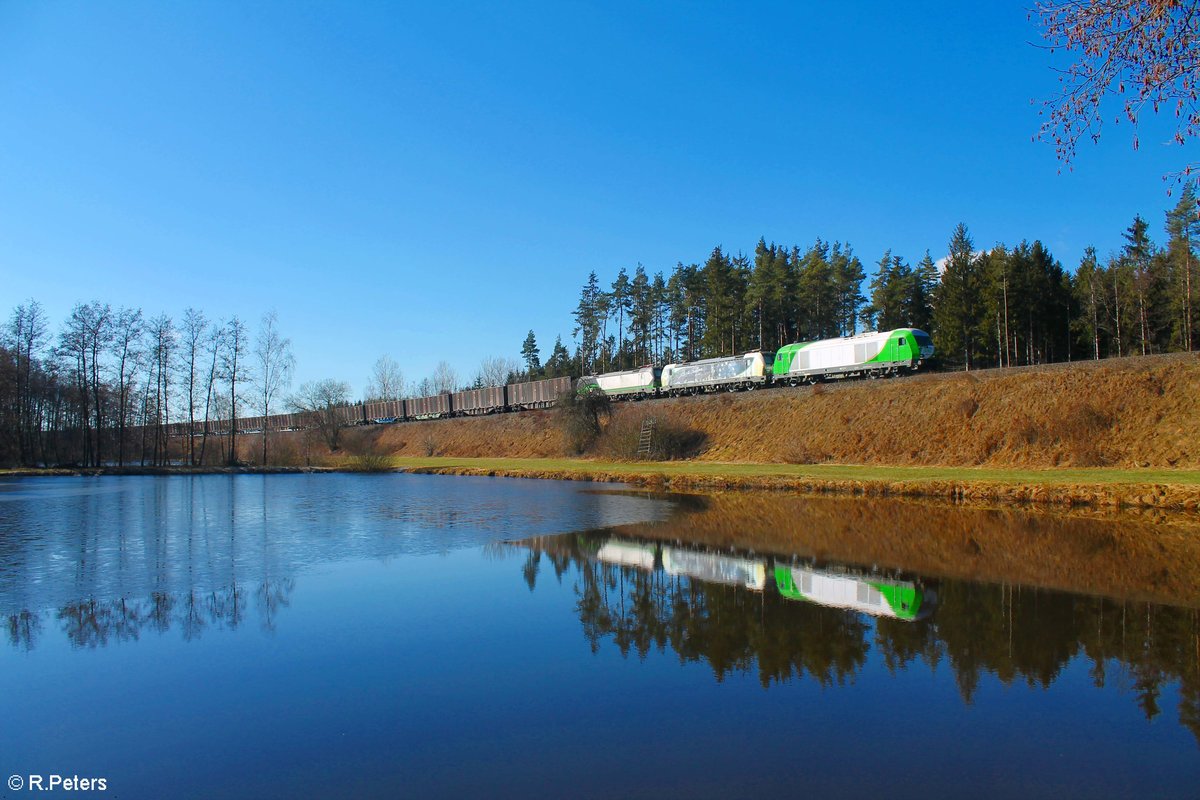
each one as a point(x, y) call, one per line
point(641, 316)
point(1119, 304)
point(661, 305)
point(957, 310)
point(620, 306)
point(995, 266)
point(1089, 290)
point(679, 314)
point(847, 275)
point(1138, 254)
point(588, 323)
point(766, 294)
point(816, 294)
point(1183, 229)
point(926, 279)
point(530, 353)
point(559, 363)
point(719, 289)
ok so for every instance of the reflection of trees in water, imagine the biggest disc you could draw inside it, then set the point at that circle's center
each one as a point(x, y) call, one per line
point(95, 623)
point(23, 629)
point(1013, 633)
point(730, 629)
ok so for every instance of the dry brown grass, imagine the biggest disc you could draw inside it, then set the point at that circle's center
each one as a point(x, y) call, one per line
point(670, 440)
point(1128, 412)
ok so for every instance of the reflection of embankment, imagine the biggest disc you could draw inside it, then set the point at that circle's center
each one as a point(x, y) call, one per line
point(98, 623)
point(1016, 634)
point(1130, 557)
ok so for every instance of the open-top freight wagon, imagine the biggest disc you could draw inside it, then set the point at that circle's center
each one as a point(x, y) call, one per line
point(475, 402)
point(537, 394)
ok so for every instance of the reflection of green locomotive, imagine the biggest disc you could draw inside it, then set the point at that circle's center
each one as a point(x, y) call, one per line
point(875, 595)
point(836, 587)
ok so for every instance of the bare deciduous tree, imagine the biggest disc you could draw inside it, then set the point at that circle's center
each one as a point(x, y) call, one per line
point(27, 336)
point(215, 346)
point(321, 401)
point(275, 362)
point(84, 337)
point(495, 370)
point(162, 343)
point(1146, 52)
point(195, 329)
point(127, 352)
point(444, 378)
point(387, 381)
point(233, 370)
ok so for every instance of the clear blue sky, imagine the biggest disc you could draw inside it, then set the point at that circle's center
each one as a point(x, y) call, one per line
point(431, 181)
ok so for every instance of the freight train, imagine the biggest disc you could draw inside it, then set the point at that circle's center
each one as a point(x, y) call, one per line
point(867, 355)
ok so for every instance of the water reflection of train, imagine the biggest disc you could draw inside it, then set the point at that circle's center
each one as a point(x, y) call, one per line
point(865, 591)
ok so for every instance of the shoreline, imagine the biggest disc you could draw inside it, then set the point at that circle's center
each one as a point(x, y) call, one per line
point(1167, 490)
point(1165, 497)
point(95, 472)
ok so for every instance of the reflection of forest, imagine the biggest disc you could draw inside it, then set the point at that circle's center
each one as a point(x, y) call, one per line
point(98, 623)
point(1013, 633)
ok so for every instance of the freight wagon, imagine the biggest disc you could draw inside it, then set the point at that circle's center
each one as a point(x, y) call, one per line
point(474, 402)
point(431, 407)
point(537, 394)
point(383, 411)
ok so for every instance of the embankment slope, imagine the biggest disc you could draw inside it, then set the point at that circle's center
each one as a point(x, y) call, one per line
point(1132, 413)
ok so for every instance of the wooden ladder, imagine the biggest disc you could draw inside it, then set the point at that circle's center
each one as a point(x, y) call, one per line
point(646, 437)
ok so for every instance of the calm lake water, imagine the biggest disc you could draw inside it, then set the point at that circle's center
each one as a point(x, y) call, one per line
point(391, 635)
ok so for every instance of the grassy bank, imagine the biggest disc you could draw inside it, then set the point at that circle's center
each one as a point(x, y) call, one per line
point(1112, 487)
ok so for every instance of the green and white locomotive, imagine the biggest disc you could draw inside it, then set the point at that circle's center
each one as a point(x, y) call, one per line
point(871, 355)
point(631, 383)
